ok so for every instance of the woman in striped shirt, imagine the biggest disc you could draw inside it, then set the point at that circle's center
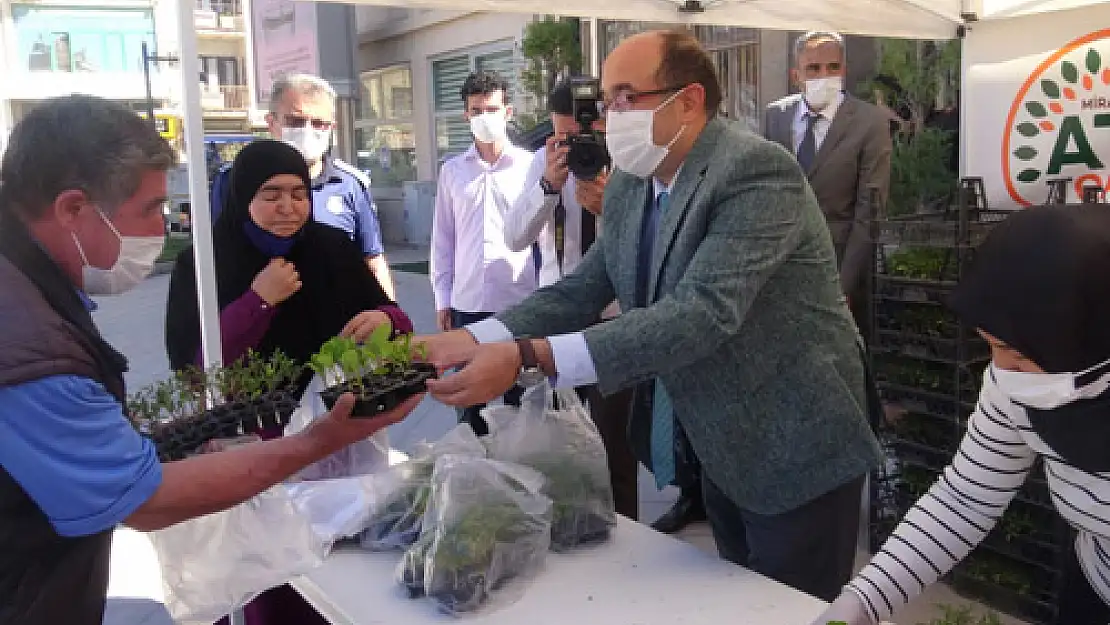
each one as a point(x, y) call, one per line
point(1039, 294)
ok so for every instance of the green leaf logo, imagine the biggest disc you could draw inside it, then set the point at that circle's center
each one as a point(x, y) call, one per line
point(1050, 88)
point(1026, 153)
point(1069, 71)
point(1028, 175)
point(1036, 109)
point(1094, 61)
point(1028, 129)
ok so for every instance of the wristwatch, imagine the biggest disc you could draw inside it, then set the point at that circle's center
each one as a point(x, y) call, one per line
point(530, 373)
point(548, 188)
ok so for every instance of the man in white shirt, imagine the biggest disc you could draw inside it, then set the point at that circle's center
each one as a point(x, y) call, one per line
point(474, 274)
point(561, 213)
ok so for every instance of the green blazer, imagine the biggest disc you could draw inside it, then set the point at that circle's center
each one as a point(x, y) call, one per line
point(747, 327)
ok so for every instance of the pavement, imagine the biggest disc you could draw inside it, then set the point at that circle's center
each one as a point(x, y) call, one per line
point(134, 324)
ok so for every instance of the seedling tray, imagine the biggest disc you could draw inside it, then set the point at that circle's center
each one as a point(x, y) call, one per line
point(376, 394)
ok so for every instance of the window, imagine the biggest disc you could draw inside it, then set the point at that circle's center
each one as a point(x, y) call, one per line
point(60, 39)
point(228, 70)
point(385, 139)
point(448, 76)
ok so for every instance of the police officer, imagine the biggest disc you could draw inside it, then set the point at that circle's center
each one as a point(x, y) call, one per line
point(302, 113)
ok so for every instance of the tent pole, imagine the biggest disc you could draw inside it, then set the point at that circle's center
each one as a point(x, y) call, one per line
point(198, 187)
point(595, 49)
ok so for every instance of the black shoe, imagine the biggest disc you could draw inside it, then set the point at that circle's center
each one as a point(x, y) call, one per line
point(685, 511)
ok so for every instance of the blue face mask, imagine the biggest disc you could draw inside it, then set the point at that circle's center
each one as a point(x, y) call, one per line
point(267, 243)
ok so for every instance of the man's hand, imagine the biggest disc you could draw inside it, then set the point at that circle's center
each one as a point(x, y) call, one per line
point(443, 320)
point(556, 170)
point(277, 282)
point(337, 428)
point(448, 350)
point(590, 193)
point(364, 324)
point(492, 371)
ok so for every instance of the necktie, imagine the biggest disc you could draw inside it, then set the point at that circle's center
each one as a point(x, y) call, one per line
point(662, 413)
point(807, 151)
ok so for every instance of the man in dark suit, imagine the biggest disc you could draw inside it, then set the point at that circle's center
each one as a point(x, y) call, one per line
point(733, 322)
point(843, 145)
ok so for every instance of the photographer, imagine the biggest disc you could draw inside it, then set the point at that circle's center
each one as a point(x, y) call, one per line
point(560, 210)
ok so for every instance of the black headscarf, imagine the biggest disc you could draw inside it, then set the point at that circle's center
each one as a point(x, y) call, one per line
point(1039, 284)
point(336, 282)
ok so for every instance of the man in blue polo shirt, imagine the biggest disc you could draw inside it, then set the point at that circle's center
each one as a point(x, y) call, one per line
point(302, 113)
point(80, 215)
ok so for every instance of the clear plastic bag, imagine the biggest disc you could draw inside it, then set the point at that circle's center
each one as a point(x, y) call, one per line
point(552, 432)
point(361, 458)
point(405, 487)
point(487, 523)
point(217, 563)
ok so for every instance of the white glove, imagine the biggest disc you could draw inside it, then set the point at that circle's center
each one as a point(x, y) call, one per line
point(847, 609)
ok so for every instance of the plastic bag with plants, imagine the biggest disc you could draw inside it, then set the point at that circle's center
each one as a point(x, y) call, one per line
point(552, 432)
point(404, 489)
point(380, 372)
point(488, 523)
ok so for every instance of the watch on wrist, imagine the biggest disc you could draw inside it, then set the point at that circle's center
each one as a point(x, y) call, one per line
point(548, 188)
point(530, 373)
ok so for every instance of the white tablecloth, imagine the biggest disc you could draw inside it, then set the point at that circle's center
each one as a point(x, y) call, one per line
point(640, 577)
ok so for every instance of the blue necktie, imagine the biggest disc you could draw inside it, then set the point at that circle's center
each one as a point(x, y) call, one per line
point(807, 151)
point(662, 413)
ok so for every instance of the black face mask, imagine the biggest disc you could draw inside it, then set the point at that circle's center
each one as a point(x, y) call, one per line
point(1079, 432)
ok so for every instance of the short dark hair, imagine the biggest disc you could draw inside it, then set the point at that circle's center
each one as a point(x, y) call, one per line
point(484, 82)
point(561, 99)
point(686, 62)
point(79, 142)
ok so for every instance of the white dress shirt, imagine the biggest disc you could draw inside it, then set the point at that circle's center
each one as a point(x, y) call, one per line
point(574, 366)
point(820, 129)
point(532, 219)
point(472, 270)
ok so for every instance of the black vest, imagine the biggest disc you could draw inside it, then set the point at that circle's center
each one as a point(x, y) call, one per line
point(45, 578)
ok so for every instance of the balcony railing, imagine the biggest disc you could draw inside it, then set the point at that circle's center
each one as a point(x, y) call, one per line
point(221, 7)
point(225, 98)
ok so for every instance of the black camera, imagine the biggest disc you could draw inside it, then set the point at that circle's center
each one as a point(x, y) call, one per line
point(587, 155)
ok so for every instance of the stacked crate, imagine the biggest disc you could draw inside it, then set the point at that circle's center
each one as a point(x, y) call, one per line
point(928, 368)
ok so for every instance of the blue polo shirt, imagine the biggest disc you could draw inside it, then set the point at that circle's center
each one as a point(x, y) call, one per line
point(65, 440)
point(340, 198)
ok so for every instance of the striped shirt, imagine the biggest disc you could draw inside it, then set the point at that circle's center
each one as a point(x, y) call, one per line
point(968, 499)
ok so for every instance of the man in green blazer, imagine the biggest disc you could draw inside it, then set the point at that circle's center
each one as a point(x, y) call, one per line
point(734, 322)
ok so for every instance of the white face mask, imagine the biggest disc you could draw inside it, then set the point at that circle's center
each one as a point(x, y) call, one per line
point(135, 262)
point(311, 143)
point(629, 135)
point(1045, 391)
point(489, 127)
point(820, 92)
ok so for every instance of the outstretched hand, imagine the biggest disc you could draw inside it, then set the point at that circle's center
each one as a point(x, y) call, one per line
point(491, 370)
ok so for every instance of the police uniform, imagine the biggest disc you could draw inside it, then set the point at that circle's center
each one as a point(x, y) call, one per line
point(340, 198)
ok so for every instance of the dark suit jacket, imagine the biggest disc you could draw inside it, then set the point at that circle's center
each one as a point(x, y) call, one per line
point(747, 327)
point(854, 157)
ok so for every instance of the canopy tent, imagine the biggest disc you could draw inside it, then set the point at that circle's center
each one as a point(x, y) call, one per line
point(918, 19)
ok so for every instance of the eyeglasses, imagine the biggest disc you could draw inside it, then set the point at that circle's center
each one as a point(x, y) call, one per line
point(300, 121)
point(625, 99)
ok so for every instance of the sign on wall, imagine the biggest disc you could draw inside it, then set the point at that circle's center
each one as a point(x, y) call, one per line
point(284, 42)
point(1038, 107)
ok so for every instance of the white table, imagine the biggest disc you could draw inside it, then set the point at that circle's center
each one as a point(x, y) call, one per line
point(640, 577)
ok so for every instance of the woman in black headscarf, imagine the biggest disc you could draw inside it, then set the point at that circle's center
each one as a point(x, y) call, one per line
point(1038, 294)
point(284, 282)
